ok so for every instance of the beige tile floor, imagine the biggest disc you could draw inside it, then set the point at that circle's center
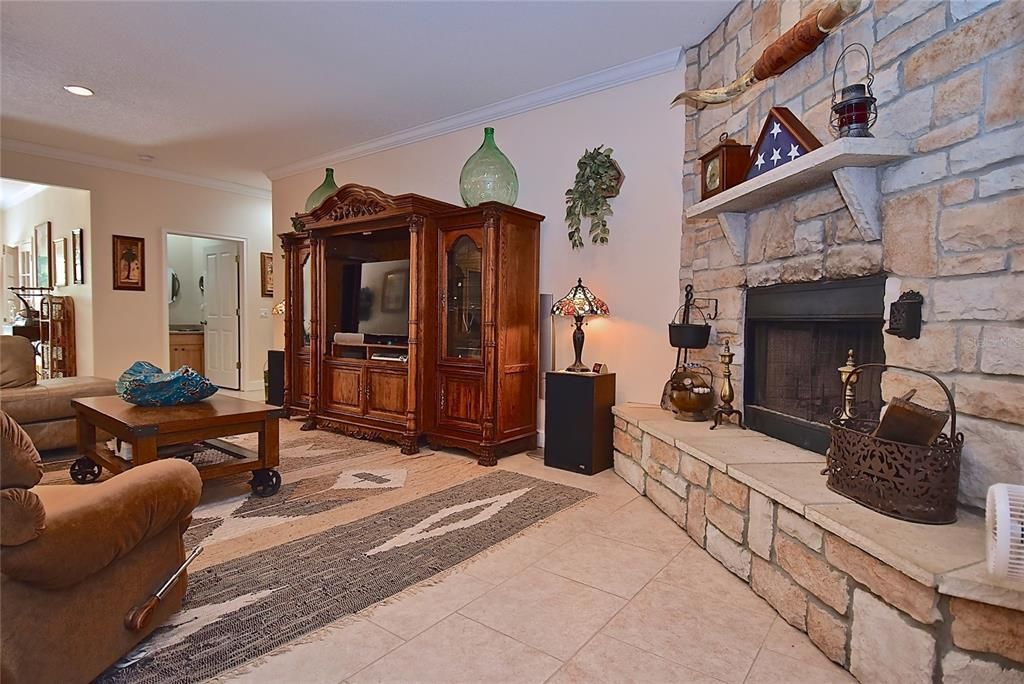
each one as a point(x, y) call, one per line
point(610, 591)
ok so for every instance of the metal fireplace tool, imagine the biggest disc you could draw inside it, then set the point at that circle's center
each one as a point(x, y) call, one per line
point(687, 392)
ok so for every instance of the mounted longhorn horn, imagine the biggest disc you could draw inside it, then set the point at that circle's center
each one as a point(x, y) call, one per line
point(788, 49)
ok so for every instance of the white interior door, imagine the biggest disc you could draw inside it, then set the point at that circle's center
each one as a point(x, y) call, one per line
point(221, 323)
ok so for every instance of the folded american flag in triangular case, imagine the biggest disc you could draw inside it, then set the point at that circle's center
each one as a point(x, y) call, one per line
point(783, 138)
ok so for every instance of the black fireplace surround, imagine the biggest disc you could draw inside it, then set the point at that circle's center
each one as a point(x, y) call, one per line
point(796, 337)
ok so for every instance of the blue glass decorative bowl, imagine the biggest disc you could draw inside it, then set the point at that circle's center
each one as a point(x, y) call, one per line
point(143, 384)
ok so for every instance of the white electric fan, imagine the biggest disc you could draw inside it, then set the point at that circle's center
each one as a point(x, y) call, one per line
point(1004, 524)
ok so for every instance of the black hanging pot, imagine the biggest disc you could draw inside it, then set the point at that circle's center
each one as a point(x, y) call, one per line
point(689, 335)
point(682, 334)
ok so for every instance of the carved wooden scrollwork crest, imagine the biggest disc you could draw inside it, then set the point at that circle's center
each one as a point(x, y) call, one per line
point(349, 202)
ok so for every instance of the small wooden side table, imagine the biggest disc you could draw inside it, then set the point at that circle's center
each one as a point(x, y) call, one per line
point(149, 428)
point(578, 421)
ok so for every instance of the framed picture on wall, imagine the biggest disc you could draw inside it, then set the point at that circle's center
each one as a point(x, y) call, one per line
point(42, 254)
point(129, 263)
point(60, 262)
point(77, 266)
point(266, 274)
point(395, 293)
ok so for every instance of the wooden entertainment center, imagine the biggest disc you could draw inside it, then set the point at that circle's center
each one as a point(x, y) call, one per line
point(410, 319)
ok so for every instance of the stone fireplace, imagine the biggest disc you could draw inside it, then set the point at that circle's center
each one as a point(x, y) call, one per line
point(806, 269)
point(941, 221)
point(796, 335)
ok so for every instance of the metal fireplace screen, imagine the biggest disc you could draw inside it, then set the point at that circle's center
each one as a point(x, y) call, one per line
point(796, 337)
point(796, 367)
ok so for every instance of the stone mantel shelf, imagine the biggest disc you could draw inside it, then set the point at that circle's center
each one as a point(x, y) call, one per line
point(852, 162)
point(950, 558)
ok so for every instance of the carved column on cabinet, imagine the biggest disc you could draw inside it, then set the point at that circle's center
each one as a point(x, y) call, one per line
point(490, 341)
point(416, 306)
point(289, 340)
point(316, 353)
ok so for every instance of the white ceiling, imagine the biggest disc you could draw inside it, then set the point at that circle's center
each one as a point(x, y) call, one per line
point(12, 192)
point(232, 90)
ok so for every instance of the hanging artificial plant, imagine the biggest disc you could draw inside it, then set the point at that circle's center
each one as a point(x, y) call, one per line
point(598, 179)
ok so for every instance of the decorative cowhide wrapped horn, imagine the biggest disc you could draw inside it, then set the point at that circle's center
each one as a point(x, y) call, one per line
point(788, 49)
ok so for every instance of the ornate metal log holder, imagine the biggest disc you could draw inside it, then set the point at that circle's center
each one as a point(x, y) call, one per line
point(905, 481)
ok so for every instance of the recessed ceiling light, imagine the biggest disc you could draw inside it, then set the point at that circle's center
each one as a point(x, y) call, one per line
point(79, 90)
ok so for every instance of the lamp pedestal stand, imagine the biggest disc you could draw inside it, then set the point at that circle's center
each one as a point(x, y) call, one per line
point(577, 345)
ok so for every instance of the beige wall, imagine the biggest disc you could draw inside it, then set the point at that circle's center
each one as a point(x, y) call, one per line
point(65, 209)
point(636, 273)
point(130, 326)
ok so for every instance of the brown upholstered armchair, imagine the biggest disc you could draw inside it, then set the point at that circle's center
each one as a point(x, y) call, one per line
point(76, 560)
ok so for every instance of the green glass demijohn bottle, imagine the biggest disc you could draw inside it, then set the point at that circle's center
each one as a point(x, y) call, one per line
point(488, 175)
point(328, 187)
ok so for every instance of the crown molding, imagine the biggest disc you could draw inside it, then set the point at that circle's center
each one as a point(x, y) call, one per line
point(34, 149)
point(584, 85)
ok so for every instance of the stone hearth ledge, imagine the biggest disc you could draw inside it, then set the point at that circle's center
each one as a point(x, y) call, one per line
point(950, 558)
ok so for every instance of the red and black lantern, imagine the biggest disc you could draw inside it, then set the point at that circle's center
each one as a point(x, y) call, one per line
point(853, 109)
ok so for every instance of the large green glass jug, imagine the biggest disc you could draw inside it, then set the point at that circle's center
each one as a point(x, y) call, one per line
point(488, 175)
point(328, 187)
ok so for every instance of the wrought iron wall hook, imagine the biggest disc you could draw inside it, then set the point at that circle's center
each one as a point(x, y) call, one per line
point(905, 316)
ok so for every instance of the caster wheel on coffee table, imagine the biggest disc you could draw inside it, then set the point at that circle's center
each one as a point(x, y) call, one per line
point(265, 482)
point(83, 471)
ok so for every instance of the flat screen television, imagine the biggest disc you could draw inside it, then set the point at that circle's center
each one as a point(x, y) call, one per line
point(381, 302)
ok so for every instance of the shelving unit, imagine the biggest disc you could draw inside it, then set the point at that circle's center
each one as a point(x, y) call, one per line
point(50, 327)
point(364, 351)
point(853, 164)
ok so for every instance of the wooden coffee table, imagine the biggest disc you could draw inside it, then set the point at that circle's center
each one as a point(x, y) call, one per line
point(148, 429)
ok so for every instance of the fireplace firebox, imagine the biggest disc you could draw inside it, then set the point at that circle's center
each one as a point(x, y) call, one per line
point(795, 337)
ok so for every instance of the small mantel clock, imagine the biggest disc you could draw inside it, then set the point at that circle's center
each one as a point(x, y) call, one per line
point(723, 167)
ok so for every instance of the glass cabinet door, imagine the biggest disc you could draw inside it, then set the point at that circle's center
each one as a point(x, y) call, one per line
point(463, 299)
point(306, 320)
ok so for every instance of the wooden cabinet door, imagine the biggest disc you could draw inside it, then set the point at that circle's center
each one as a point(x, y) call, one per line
point(460, 399)
point(187, 350)
point(193, 357)
point(386, 393)
point(343, 389)
point(299, 382)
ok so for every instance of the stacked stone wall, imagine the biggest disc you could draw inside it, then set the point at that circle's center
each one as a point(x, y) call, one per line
point(948, 78)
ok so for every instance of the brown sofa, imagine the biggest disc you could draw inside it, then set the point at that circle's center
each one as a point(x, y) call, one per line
point(42, 408)
point(76, 559)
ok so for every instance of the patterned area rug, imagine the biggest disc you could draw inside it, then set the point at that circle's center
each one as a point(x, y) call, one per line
point(340, 535)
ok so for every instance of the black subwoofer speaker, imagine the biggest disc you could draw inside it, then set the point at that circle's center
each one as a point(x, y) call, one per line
point(578, 421)
point(275, 377)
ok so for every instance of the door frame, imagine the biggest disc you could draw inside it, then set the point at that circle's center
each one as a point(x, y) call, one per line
point(243, 313)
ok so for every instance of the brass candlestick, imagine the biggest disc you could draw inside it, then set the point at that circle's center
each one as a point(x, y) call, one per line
point(849, 394)
point(725, 409)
